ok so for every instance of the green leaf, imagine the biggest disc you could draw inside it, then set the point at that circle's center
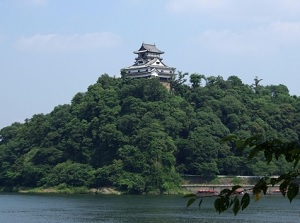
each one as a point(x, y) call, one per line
point(189, 195)
point(230, 137)
point(274, 181)
point(225, 192)
point(262, 185)
point(268, 155)
point(190, 201)
point(264, 188)
point(292, 191)
point(234, 188)
point(253, 153)
point(217, 205)
point(261, 182)
point(230, 203)
point(245, 201)
point(295, 151)
point(296, 162)
point(252, 140)
point(283, 186)
point(283, 176)
point(222, 204)
point(236, 206)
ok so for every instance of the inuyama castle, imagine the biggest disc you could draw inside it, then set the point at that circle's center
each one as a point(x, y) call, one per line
point(148, 64)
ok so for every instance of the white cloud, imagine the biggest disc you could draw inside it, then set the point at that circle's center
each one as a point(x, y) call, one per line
point(258, 41)
point(58, 42)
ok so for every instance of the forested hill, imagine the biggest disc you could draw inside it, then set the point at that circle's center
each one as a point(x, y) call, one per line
point(138, 137)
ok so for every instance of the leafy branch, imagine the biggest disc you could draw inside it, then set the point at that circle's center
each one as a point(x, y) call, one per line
point(271, 149)
point(224, 200)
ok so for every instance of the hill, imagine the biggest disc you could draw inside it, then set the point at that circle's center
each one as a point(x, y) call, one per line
point(135, 135)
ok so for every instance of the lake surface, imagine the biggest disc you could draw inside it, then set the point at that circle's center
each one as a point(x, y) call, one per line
point(28, 208)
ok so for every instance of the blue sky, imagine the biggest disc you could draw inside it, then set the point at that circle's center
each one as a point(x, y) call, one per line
point(52, 49)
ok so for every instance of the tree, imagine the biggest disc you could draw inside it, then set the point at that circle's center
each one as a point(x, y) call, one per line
point(71, 174)
point(195, 79)
point(235, 81)
point(198, 154)
point(177, 83)
point(255, 85)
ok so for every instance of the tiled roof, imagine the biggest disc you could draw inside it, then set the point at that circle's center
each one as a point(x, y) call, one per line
point(150, 48)
point(150, 63)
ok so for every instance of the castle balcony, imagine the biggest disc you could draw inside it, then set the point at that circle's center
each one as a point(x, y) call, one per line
point(148, 57)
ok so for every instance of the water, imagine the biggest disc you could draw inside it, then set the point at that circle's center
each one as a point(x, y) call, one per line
point(28, 208)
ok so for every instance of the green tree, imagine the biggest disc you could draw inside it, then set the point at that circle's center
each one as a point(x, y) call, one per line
point(177, 83)
point(195, 79)
point(71, 174)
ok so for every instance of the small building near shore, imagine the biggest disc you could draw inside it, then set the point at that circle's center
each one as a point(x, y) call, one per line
point(148, 64)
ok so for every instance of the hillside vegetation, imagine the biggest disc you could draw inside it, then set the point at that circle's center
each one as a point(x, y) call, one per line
point(136, 136)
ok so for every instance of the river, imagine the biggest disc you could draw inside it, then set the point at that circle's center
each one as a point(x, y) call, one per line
point(45, 208)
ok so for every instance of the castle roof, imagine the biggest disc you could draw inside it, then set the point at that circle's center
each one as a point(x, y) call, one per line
point(148, 47)
point(152, 63)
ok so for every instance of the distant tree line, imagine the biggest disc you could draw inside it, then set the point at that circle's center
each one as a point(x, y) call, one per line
point(137, 136)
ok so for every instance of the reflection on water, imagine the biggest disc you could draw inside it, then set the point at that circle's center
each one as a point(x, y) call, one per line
point(27, 208)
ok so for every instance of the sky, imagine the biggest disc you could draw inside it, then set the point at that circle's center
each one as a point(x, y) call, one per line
point(52, 49)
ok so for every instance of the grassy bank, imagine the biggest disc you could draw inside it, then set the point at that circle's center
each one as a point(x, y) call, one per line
point(61, 189)
point(188, 180)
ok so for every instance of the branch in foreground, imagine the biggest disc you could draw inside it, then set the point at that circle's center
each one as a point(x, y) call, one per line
point(288, 185)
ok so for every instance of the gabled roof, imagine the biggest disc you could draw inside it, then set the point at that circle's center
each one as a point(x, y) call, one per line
point(150, 64)
point(148, 47)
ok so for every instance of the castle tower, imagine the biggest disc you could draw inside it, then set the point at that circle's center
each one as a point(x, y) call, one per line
point(148, 63)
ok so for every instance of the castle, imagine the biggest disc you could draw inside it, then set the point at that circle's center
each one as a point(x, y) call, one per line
point(148, 64)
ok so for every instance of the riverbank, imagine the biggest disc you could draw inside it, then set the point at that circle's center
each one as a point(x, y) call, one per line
point(83, 190)
point(65, 189)
point(190, 184)
point(62, 190)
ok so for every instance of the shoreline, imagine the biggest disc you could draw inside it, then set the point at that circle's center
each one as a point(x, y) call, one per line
point(66, 190)
point(82, 190)
point(191, 184)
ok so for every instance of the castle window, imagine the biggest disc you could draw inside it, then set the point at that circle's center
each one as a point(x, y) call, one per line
point(157, 62)
point(128, 71)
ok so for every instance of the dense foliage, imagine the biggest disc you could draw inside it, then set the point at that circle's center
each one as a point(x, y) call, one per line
point(137, 136)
